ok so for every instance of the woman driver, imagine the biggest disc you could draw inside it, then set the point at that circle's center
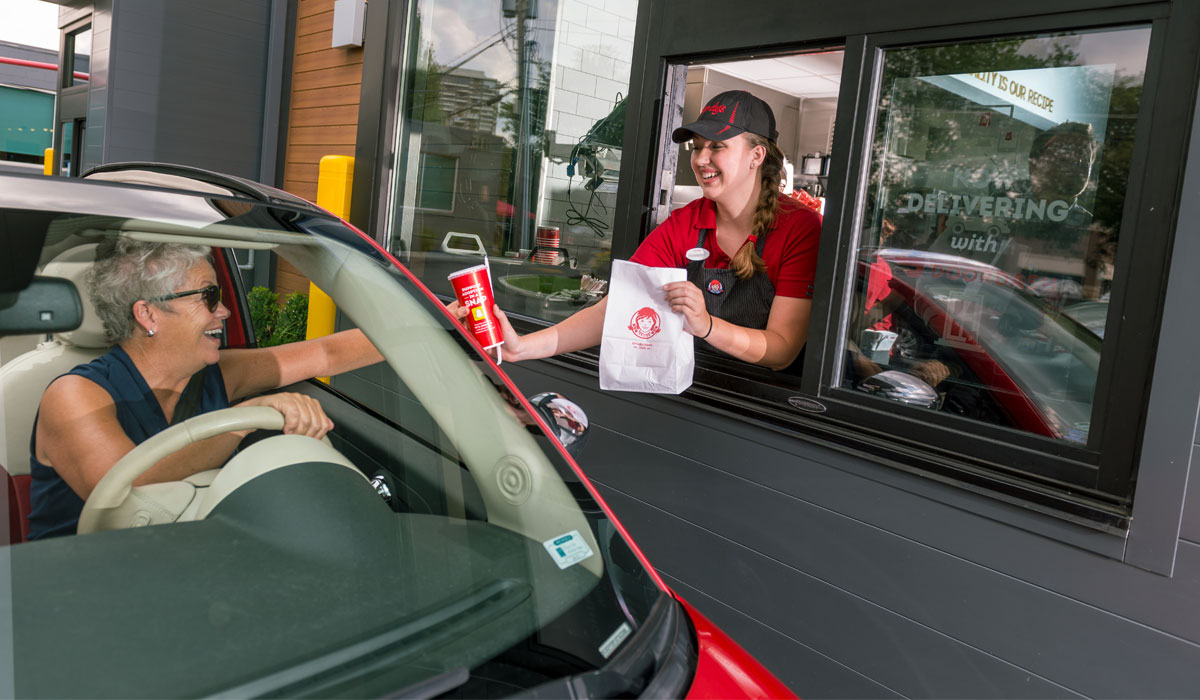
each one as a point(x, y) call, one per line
point(160, 304)
point(751, 296)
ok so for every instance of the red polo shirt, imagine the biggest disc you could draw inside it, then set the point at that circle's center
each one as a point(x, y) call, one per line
point(790, 250)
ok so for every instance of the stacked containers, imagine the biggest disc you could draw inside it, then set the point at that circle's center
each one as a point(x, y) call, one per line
point(546, 237)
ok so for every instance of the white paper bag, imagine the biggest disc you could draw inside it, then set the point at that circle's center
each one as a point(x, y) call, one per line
point(644, 346)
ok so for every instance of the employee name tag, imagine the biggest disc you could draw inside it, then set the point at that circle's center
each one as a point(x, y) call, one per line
point(568, 549)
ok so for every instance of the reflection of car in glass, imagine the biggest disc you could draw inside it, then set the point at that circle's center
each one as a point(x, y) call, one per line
point(994, 350)
point(1092, 314)
point(1058, 290)
point(441, 543)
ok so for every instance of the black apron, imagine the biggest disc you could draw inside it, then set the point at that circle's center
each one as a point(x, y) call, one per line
point(742, 302)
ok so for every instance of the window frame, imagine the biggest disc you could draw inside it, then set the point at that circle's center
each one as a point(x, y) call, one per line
point(422, 169)
point(947, 448)
point(1053, 465)
point(69, 54)
point(756, 396)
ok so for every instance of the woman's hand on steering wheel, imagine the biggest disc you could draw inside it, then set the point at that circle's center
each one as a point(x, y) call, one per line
point(687, 299)
point(302, 415)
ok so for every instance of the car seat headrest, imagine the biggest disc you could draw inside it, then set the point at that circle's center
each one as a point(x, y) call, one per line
point(73, 264)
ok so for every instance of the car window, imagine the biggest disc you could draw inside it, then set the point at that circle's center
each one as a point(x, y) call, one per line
point(990, 226)
point(465, 549)
point(451, 443)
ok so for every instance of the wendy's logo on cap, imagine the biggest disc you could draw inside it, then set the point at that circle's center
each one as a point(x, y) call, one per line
point(645, 323)
point(727, 115)
point(715, 287)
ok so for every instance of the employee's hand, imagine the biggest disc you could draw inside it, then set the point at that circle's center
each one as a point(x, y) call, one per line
point(687, 299)
point(512, 341)
point(933, 372)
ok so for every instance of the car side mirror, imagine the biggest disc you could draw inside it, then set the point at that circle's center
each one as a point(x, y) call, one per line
point(566, 419)
point(47, 305)
point(902, 387)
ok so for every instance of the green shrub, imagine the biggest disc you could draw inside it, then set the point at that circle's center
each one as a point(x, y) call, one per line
point(293, 319)
point(276, 325)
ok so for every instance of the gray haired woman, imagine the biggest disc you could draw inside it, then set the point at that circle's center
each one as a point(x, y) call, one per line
point(161, 307)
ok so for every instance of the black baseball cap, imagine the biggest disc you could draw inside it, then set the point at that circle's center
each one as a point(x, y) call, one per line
point(729, 114)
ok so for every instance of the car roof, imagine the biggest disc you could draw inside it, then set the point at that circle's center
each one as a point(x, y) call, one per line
point(192, 179)
point(185, 201)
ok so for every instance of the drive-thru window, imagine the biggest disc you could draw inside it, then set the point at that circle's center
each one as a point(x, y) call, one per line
point(991, 368)
point(979, 251)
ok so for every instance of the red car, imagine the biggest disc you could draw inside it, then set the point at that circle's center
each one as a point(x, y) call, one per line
point(443, 542)
point(976, 341)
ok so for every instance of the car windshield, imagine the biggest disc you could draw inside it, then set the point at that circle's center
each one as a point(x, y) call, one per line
point(468, 557)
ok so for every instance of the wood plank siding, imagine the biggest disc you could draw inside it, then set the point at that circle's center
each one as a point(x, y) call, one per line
point(323, 112)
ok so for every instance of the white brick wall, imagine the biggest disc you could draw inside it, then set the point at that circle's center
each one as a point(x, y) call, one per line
point(592, 62)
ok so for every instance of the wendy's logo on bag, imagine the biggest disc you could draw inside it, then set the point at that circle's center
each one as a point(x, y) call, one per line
point(645, 323)
point(715, 287)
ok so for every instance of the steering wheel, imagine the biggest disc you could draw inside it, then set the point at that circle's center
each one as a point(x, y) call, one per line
point(115, 503)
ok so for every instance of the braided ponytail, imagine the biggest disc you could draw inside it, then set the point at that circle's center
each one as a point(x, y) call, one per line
point(746, 262)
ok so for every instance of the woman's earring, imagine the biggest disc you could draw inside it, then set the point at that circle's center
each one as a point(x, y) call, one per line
point(150, 333)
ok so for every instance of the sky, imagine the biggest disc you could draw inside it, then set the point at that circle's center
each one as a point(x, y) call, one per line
point(30, 22)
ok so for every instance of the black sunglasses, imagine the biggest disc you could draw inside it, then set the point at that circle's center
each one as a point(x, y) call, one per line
point(211, 295)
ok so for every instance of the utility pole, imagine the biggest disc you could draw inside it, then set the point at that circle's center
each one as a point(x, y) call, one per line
point(523, 231)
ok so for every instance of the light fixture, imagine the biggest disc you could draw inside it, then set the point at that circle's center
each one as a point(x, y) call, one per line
point(349, 18)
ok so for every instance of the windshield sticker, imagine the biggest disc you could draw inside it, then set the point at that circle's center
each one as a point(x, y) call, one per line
point(614, 640)
point(568, 549)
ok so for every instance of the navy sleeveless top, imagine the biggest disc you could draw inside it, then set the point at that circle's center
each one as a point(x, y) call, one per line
point(55, 508)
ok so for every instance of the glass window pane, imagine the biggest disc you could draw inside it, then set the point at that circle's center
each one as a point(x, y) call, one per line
point(512, 119)
point(68, 147)
point(79, 57)
point(437, 182)
point(991, 224)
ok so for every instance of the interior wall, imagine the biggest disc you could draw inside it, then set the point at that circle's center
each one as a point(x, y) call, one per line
point(815, 131)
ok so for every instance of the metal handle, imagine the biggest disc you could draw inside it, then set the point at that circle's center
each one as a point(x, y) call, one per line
point(479, 247)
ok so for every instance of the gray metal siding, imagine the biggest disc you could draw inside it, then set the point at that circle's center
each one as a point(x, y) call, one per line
point(20, 76)
point(871, 568)
point(98, 84)
point(823, 676)
point(188, 83)
point(901, 654)
point(1190, 528)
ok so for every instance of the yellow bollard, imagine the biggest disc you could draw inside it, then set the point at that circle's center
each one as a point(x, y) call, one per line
point(335, 183)
point(48, 162)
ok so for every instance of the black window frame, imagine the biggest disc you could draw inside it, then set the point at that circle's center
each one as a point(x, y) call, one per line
point(1096, 481)
point(1090, 485)
point(69, 55)
point(811, 408)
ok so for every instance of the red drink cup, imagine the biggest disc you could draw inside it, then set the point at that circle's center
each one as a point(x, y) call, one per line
point(473, 286)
